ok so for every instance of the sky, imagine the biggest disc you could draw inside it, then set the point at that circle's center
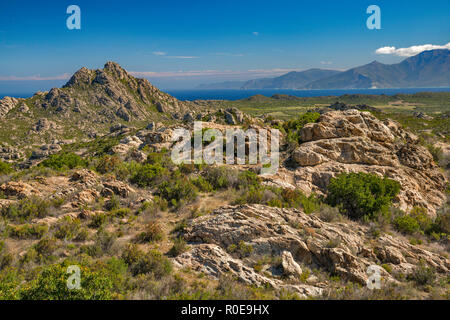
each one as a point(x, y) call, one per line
point(180, 44)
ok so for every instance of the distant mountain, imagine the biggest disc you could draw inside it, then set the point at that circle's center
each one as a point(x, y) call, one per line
point(427, 69)
point(291, 80)
point(222, 85)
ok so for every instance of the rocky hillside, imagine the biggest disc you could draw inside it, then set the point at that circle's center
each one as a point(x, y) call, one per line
point(86, 178)
point(86, 107)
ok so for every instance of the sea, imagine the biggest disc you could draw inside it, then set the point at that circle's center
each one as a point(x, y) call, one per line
point(231, 94)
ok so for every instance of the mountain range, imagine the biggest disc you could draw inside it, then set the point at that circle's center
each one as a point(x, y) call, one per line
point(427, 69)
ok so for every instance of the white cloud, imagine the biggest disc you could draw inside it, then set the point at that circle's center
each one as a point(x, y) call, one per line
point(159, 53)
point(64, 76)
point(256, 33)
point(410, 51)
point(182, 57)
point(227, 54)
point(326, 62)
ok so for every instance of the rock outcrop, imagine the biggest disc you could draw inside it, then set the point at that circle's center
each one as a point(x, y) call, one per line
point(343, 248)
point(354, 141)
point(7, 104)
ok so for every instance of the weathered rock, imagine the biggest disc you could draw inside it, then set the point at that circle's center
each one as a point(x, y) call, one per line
point(18, 189)
point(353, 141)
point(229, 118)
point(43, 125)
point(85, 177)
point(290, 267)
point(118, 188)
point(297, 238)
point(45, 151)
point(7, 104)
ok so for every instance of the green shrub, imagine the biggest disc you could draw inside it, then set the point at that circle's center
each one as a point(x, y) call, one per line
point(63, 161)
point(5, 168)
point(45, 247)
point(177, 190)
point(6, 260)
point(278, 197)
point(202, 184)
point(67, 229)
point(417, 221)
point(26, 209)
point(293, 127)
point(241, 250)
point(179, 247)
point(221, 177)
point(152, 262)
point(152, 232)
point(28, 231)
point(113, 203)
point(98, 220)
point(121, 212)
point(149, 175)
point(423, 275)
point(329, 214)
point(421, 216)
point(362, 195)
point(406, 224)
point(441, 224)
point(103, 243)
point(108, 164)
point(51, 284)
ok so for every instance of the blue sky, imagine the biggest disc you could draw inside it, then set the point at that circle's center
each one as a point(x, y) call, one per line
point(177, 44)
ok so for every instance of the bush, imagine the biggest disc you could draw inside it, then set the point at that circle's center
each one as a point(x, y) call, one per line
point(242, 250)
point(103, 244)
point(441, 224)
point(417, 221)
point(98, 220)
point(294, 127)
point(423, 275)
point(176, 190)
point(107, 164)
point(221, 177)
point(149, 175)
point(28, 231)
point(152, 262)
point(26, 209)
point(67, 228)
point(179, 247)
point(63, 161)
point(329, 214)
point(45, 247)
point(5, 168)
point(121, 212)
point(278, 197)
point(51, 284)
point(362, 195)
point(152, 232)
point(202, 184)
point(406, 224)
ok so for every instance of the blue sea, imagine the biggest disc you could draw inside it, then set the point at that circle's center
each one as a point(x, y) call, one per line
point(230, 94)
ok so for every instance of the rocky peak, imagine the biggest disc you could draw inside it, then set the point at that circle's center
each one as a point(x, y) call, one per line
point(116, 70)
point(82, 77)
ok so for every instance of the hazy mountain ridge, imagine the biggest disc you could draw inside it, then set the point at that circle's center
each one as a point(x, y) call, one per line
point(427, 69)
